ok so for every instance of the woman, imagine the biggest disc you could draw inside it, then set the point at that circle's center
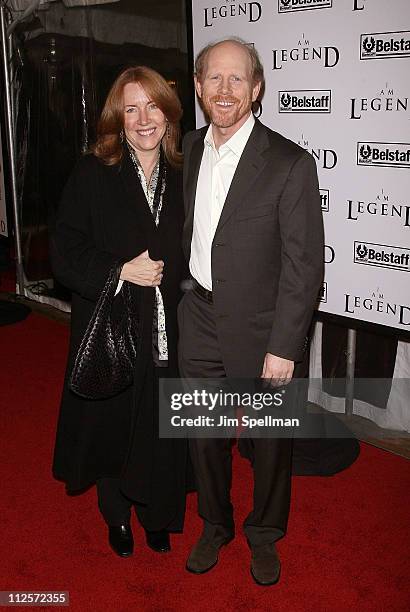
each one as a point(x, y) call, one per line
point(124, 202)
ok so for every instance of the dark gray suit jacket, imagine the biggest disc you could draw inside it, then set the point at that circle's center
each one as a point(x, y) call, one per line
point(267, 253)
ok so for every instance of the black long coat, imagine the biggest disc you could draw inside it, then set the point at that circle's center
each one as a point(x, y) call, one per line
point(104, 216)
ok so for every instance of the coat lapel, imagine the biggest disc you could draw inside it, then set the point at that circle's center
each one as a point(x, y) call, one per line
point(250, 165)
point(136, 193)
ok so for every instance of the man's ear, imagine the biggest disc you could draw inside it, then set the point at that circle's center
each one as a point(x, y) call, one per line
point(198, 86)
point(255, 91)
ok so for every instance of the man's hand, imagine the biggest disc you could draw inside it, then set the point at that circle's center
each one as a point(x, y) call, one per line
point(277, 370)
point(143, 271)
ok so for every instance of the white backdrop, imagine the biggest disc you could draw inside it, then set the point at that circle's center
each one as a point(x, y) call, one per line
point(337, 83)
point(3, 218)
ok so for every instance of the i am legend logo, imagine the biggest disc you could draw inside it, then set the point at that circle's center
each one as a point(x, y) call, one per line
point(305, 101)
point(247, 11)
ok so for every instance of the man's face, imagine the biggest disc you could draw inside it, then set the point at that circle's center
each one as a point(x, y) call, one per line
point(226, 89)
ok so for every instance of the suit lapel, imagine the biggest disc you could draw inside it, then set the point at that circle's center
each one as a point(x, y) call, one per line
point(191, 179)
point(250, 165)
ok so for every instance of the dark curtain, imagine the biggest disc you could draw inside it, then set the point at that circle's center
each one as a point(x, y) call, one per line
point(65, 80)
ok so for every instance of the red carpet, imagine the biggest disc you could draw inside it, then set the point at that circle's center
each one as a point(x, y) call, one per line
point(347, 546)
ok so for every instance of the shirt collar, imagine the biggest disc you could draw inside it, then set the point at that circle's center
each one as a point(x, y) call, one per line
point(237, 142)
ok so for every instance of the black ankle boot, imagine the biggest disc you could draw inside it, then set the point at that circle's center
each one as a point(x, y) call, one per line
point(158, 540)
point(121, 540)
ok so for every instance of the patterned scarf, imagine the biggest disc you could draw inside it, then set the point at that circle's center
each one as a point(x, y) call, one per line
point(154, 190)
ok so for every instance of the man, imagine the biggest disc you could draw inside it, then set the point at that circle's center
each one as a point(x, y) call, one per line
point(253, 237)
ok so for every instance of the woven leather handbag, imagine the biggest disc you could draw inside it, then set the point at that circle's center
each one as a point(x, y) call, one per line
point(105, 361)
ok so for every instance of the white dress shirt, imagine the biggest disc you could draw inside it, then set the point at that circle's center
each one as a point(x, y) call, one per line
point(217, 169)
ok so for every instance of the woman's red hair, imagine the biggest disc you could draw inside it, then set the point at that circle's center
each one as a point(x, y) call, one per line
point(108, 146)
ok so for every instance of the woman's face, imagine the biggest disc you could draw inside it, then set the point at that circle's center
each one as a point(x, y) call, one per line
point(144, 122)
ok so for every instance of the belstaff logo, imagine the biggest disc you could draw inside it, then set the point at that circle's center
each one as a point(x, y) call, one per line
point(324, 199)
point(358, 5)
point(286, 6)
point(382, 256)
point(383, 45)
point(380, 206)
point(392, 154)
point(376, 302)
point(327, 55)
point(323, 293)
point(247, 11)
point(305, 101)
point(383, 101)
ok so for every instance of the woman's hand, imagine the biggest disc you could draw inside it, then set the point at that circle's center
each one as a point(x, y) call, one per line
point(143, 271)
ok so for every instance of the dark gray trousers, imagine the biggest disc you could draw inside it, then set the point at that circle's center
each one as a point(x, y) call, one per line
point(200, 357)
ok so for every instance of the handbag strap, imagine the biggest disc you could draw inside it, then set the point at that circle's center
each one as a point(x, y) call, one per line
point(110, 287)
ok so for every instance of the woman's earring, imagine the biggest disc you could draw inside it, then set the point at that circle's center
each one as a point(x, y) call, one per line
point(122, 136)
point(168, 131)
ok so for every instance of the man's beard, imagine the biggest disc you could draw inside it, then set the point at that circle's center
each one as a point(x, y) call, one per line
point(225, 118)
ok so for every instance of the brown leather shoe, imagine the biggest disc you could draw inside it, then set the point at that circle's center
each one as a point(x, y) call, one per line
point(265, 564)
point(204, 555)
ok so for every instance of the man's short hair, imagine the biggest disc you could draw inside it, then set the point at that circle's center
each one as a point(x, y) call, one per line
point(256, 64)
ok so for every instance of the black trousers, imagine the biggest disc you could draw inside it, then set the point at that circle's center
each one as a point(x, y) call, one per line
point(153, 480)
point(113, 504)
point(115, 507)
point(200, 357)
